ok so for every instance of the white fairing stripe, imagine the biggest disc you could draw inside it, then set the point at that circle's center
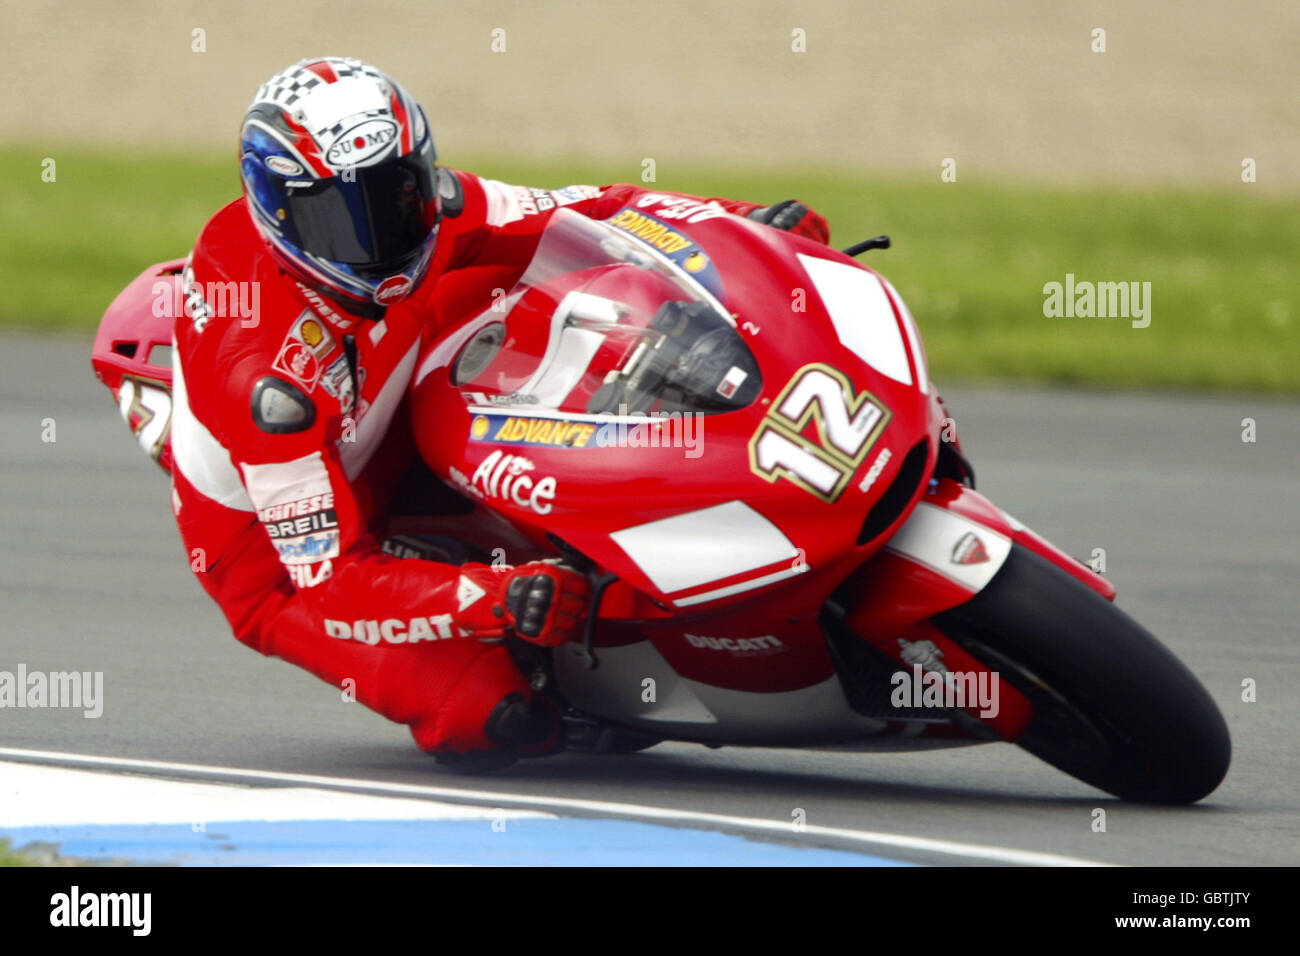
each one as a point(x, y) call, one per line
point(502, 203)
point(197, 455)
point(372, 426)
point(697, 547)
point(930, 535)
point(913, 338)
point(860, 311)
point(743, 586)
point(284, 481)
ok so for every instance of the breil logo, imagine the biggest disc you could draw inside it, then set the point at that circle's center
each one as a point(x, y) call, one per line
point(362, 143)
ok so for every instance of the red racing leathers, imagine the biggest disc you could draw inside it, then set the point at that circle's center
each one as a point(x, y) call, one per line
point(288, 435)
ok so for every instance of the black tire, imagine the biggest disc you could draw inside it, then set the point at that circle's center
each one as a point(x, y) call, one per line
point(1112, 706)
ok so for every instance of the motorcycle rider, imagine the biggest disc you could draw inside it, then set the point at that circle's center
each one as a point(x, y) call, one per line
point(289, 430)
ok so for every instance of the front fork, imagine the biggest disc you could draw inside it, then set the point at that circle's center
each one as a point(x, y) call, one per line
point(947, 550)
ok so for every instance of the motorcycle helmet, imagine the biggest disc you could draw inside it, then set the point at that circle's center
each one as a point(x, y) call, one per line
point(337, 164)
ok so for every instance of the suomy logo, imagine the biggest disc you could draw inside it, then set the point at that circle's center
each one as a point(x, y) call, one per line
point(362, 143)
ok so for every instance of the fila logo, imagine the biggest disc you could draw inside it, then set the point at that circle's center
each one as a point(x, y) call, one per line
point(310, 575)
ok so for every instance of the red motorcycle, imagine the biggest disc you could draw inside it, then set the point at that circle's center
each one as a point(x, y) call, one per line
point(732, 430)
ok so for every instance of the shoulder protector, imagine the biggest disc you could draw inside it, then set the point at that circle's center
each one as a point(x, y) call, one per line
point(451, 193)
point(281, 408)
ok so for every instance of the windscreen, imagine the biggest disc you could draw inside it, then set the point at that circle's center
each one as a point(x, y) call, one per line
point(600, 323)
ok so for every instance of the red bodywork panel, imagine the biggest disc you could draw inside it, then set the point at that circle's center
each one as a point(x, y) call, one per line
point(124, 345)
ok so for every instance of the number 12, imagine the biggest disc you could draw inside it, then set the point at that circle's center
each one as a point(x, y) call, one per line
point(847, 426)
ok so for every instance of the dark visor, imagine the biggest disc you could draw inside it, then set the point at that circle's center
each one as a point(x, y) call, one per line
point(377, 219)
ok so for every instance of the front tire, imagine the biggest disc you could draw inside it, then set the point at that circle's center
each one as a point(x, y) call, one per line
point(1112, 706)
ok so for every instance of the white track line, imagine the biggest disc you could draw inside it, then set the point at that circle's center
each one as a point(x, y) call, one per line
point(974, 851)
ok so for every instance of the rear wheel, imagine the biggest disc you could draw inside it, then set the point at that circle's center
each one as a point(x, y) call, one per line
point(1112, 706)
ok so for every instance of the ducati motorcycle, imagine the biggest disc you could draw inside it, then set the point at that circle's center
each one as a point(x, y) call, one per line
point(733, 432)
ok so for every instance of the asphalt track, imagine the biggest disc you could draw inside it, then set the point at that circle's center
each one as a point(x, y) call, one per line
point(1201, 533)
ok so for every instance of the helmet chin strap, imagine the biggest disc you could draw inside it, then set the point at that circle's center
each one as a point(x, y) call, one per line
point(372, 311)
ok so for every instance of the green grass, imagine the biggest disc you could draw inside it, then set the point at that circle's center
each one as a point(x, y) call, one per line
point(9, 858)
point(970, 257)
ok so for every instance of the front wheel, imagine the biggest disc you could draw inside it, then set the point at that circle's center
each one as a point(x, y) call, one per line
point(1112, 706)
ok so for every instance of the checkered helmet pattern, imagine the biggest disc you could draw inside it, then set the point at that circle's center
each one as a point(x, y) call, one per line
point(289, 86)
point(313, 103)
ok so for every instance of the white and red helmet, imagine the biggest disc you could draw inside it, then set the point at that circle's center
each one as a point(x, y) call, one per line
point(337, 163)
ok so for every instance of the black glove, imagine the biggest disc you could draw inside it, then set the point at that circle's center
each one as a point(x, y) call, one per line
point(546, 601)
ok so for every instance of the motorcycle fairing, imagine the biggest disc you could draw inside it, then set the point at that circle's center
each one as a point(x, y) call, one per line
point(126, 355)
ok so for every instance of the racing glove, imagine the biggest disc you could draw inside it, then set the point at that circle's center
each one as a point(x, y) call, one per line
point(542, 602)
point(793, 216)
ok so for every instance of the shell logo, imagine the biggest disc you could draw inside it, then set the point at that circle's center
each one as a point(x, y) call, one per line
point(479, 427)
point(311, 333)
